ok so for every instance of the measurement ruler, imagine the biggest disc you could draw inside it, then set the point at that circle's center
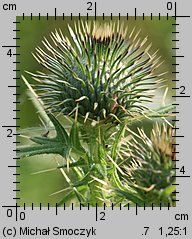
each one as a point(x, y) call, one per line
point(22, 219)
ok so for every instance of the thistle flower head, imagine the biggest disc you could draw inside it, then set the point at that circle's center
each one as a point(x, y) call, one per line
point(151, 166)
point(101, 70)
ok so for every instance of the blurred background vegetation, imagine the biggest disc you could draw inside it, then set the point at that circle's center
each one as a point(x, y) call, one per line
point(38, 188)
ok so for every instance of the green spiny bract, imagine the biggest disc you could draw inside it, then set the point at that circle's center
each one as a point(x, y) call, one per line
point(150, 165)
point(99, 70)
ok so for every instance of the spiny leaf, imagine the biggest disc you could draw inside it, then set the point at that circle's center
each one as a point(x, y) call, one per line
point(60, 144)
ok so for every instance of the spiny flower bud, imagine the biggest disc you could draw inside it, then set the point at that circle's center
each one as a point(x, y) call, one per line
point(100, 70)
point(150, 168)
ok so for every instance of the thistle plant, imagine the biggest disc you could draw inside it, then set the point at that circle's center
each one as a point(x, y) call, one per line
point(102, 79)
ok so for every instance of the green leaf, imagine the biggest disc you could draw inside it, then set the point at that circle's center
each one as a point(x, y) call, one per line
point(60, 144)
point(75, 141)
